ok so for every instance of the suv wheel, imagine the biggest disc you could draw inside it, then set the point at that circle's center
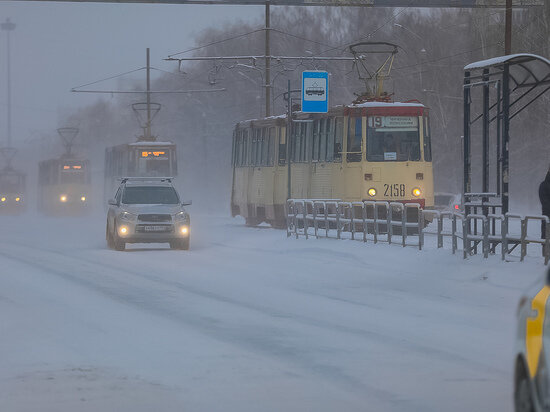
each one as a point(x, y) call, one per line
point(109, 237)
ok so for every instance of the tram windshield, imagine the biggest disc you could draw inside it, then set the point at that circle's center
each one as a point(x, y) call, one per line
point(11, 182)
point(150, 195)
point(393, 138)
point(73, 173)
point(154, 162)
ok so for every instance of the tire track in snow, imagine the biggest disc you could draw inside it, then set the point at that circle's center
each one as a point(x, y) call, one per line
point(206, 325)
point(399, 342)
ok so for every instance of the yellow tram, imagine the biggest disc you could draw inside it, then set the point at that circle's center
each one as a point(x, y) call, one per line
point(375, 151)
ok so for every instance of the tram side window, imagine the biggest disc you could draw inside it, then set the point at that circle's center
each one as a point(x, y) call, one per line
point(259, 148)
point(118, 162)
point(427, 140)
point(338, 137)
point(295, 142)
point(316, 140)
point(263, 147)
point(322, 140)
point(174, 162)
point(133, 161)
point(282, 145)
point(233, 148)
point(253, 147)
point(236, 146)
point(329, 130)
point(240, 156)
point(244, 153)
point(307, 139)
point(268, 146)
point(354, 139)
point(302, 142)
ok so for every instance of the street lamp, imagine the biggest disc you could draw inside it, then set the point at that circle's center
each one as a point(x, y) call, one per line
point(8, 26)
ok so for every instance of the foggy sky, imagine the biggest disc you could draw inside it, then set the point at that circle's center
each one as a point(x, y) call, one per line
point(57, 46)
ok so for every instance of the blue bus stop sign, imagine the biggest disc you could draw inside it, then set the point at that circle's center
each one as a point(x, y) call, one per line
point(314, 91)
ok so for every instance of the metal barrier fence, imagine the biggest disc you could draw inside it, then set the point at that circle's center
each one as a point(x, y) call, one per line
point(406, 224)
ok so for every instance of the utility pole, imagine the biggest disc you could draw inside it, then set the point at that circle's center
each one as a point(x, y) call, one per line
point(508, 29)
point(287, 139)
point(148, 125)
point(8, 26)
point(267, 62)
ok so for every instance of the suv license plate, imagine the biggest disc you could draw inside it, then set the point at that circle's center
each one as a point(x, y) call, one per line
point(155, 228)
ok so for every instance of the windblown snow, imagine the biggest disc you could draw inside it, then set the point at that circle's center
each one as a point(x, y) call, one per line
point(250, 320)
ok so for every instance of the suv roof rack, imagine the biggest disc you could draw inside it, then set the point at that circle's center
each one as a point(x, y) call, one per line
point(145, 179)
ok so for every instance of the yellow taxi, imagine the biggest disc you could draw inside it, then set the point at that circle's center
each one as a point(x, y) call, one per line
point(531, 384)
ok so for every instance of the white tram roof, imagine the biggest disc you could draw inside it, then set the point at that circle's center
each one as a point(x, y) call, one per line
point(339, 107)
point(148, 143)
point(386, 104)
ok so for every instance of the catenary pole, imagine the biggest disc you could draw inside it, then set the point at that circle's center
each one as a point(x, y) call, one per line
point(148, 126)
point(8, 26)
point(267, 61)
point(508, 28)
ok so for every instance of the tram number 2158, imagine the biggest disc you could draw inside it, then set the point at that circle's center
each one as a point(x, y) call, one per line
point(394, 190)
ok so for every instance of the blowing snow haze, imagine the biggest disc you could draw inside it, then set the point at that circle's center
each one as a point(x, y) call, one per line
point(117, 293)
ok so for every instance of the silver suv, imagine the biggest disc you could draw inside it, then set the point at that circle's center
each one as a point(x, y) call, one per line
point(147, 210)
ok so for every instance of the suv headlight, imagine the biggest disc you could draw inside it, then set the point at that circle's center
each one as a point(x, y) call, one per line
point(127, 216)
point(181, 217)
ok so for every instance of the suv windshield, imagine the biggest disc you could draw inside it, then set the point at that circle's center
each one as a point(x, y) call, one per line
point(150, 195)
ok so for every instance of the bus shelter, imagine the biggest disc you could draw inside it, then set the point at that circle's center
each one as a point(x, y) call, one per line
point(508, 85)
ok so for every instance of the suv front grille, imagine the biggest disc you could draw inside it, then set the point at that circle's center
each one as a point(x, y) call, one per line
point(154, 218)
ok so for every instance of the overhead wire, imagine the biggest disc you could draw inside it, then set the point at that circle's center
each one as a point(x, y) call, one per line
point(216, 42)
point(109, 78)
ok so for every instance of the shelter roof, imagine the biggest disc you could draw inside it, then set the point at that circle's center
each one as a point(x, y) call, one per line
point(526, 70)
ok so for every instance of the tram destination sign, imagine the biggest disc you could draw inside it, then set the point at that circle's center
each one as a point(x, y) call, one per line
point(365, 3)
point(314, 91)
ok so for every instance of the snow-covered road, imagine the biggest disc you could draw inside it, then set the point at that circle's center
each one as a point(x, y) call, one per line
point(248, 320)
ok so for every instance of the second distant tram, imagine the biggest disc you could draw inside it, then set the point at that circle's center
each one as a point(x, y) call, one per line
point(64, 185)
point(372, 151)
point(139, 159)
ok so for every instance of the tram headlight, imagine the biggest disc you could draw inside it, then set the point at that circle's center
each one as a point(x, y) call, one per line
point(372, 192)
point(416, 192)
point(63, 198)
